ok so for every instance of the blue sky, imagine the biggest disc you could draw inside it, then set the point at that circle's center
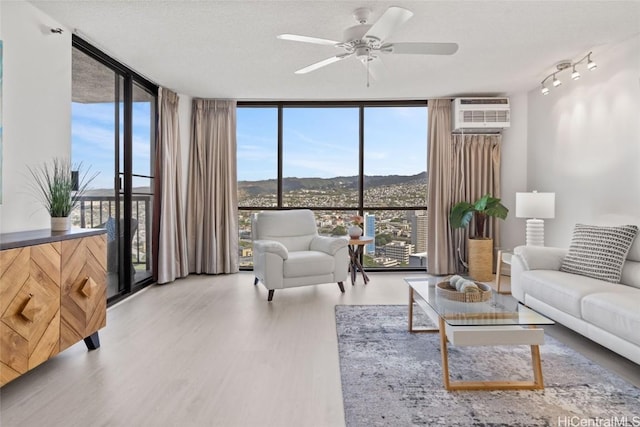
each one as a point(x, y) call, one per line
point(318, 142)
point(323, 142)
point(92, 134)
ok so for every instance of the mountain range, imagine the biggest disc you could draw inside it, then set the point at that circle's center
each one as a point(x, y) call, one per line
point(268, 186)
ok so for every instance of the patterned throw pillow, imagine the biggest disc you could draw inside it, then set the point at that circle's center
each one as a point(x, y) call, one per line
point(598, 251)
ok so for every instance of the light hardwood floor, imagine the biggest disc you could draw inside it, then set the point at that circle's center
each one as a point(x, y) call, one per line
point(210, 350)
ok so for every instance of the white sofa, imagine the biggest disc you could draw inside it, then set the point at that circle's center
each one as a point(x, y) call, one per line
point(288, 252)
point(605, 312)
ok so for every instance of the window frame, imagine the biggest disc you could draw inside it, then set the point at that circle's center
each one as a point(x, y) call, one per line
point(360, 208)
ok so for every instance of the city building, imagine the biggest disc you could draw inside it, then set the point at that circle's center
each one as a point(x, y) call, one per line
point(419, 230)
point(370, 230)
point(399, 251)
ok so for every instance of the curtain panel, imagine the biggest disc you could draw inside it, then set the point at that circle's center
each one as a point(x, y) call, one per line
point(461, 168)
point(476, 166)
point(440, 246)
point(212, 201)
point(170, 243)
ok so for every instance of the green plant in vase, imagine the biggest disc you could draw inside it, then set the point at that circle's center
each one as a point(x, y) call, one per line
point(58, 191)
point(486, 206)
point(480, 247)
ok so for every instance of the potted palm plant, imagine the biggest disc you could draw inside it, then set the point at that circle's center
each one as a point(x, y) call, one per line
point(480, 247)
point(59, 189)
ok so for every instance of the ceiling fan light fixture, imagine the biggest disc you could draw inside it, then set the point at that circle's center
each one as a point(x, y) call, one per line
point(366, 41)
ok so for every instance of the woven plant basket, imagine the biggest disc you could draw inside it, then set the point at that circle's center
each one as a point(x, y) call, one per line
point(480, 259)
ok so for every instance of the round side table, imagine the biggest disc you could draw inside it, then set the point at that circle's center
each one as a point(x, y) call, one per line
point(356, 247)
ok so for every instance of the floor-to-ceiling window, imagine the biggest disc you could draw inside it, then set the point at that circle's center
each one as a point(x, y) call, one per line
point(113, 133)
point(340, 160)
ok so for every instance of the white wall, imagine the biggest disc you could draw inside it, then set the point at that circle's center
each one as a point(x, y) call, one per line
point(584, 141)
point(36, 108)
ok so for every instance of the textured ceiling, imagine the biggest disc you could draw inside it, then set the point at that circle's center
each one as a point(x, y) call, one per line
point(228, 49)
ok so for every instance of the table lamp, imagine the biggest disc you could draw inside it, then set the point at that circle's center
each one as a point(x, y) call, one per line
point(535, 206)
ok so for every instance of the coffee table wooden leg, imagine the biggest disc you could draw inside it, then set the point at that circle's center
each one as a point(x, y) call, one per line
point(536, 384)
point(537, 366)
point(445, 355)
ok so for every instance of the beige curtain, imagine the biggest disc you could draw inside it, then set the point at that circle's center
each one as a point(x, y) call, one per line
point(171, 262)
point(461, 168)
point(440, 245)
point(212, 204)
point(476, 166)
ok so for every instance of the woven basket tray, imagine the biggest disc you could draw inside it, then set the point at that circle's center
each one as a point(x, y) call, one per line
point(444, 290)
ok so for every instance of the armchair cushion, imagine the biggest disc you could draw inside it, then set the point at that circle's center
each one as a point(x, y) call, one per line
point(271, 246)
point(308, 263)
point(328, 245)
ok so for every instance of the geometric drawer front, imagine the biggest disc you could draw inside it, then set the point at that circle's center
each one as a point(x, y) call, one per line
point(29, 308)
point(83, 293)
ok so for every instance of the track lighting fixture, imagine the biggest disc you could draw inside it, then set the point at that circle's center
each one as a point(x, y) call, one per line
point(563, 65)
point(575, 75)
point(590, 64)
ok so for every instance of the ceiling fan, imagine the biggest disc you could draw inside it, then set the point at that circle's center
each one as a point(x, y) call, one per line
point(368, 41)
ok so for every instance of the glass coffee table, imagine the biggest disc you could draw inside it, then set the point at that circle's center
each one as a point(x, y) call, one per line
point(501, 320)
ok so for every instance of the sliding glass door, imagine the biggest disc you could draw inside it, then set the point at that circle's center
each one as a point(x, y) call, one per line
point(113, 133)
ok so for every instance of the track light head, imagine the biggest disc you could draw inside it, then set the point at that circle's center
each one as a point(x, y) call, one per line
point(590, 64)
point(556, 82)
point(544, 90)
point(575, 75)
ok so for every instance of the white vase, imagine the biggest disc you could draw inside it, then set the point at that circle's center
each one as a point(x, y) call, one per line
point(354, 232)
point(62, 223)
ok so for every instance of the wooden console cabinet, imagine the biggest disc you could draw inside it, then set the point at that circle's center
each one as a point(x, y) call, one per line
point(52, 295)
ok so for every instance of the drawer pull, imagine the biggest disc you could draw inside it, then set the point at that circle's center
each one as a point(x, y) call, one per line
point(89, 287)
point(30, 309)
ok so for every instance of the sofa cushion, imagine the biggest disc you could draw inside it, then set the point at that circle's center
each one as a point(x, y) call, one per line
point(617, 219)
point(617, 311)
point(599, 251)
point(631, 273)
point(308, 263)
point(563, 291)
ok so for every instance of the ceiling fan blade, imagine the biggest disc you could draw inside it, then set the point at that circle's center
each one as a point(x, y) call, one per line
point(305, 39)
point(418, 48)
point(390, 21)
point(323, 63)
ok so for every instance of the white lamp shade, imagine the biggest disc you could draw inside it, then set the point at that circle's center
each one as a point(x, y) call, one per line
point(535, 205)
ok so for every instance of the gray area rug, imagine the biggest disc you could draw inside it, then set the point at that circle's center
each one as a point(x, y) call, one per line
point(393, 378)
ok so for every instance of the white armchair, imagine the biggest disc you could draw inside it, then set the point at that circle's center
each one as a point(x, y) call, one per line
point(288, 252)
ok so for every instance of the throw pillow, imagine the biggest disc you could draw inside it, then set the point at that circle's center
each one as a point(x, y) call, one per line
point(599, 251)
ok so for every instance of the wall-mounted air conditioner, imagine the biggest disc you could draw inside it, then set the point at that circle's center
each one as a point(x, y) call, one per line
point(480, 114)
